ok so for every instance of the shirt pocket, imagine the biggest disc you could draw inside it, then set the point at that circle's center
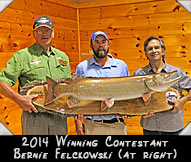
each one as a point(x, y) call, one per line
point(35, 71)
point(59, 71)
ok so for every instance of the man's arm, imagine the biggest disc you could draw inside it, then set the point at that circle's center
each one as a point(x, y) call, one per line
point(179, 103)
point(25, 102)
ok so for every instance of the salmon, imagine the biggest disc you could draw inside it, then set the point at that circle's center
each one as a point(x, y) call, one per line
point(110, 89)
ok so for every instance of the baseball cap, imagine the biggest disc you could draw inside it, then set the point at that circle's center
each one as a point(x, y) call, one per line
point(43, 21)
point(99, 33)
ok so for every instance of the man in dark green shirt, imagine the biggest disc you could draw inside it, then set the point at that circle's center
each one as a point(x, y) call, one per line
point(34, 63)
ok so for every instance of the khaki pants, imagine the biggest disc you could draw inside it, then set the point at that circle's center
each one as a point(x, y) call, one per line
point(99, 128)
point(43, 124)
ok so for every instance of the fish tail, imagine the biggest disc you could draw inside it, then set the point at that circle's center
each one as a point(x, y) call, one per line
point(49, 94)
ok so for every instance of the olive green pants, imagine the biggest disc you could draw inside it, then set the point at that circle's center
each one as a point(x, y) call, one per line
point(43, 124)
point(99, 128)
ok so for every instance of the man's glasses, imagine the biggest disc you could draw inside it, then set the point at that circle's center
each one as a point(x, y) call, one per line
point(44, 31)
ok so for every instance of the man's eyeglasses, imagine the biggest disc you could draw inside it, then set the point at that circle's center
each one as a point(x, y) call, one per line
point(44, 31)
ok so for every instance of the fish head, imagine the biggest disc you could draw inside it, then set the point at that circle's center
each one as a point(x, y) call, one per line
point(164, 78)
point(163, 81)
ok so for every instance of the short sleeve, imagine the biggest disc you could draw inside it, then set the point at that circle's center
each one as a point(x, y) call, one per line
point(12, 71)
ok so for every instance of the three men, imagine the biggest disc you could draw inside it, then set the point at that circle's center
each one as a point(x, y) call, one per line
point(41, 59)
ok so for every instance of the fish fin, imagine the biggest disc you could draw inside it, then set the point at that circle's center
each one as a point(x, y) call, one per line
point(146, 98)
point(150, 87)
point(49, 95)
point(107, 104)
point(103, 106)
point(72, 101)
point(46, 95)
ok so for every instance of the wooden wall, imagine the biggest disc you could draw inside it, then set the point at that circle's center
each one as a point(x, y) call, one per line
point(127, 22)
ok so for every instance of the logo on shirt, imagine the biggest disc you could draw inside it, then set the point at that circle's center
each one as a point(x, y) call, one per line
point(170, 96)
point(35, 61)
point(63, 62)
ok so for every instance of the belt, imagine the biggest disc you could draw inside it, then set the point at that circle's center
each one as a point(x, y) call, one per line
point(114, 120)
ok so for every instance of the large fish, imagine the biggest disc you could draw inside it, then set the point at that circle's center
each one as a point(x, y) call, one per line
point(109, 89)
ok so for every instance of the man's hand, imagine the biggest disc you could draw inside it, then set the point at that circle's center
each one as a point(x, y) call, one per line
point(178, 105)
point(79, 120)
point(148, 115)
point(25, 102)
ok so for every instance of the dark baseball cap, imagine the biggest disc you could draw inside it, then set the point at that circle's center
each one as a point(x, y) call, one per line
point(99, 33)
point(43, 21)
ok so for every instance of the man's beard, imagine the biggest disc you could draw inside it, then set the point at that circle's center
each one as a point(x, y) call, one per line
point(100, 54)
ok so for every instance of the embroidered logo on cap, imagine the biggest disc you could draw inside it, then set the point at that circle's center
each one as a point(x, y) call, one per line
point(43, 20)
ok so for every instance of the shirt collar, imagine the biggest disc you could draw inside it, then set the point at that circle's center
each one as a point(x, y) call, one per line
point(109, 64)
point(39, 51)
point(150, 69)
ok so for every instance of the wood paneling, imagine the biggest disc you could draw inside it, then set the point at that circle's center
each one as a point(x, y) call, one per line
point(101, 3)
point(127, 10)
point(127, 22)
